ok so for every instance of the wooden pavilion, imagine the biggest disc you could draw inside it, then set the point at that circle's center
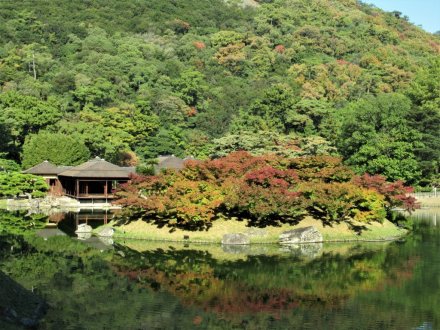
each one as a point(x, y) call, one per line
point(94, 179)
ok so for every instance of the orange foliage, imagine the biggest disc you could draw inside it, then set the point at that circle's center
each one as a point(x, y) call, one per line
point(199, 45)
point(280, 49)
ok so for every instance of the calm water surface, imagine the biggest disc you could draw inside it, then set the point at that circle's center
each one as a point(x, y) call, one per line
point(136, 285)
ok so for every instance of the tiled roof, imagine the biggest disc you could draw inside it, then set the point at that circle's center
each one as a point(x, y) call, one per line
point(96, 168)
point(169, 162)
point(45, 167)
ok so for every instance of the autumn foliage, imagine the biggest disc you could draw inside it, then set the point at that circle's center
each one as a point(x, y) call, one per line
point(265, 190)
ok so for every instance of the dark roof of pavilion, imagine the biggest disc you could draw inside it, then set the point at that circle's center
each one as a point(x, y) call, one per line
point(129, 169)
point(170, 162)
point(45, 167)
point(96, 168)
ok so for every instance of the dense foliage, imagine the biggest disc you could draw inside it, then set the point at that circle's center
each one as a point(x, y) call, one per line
point(15, 184)
point(191, 77)
point(46, 146)
point(265, 190)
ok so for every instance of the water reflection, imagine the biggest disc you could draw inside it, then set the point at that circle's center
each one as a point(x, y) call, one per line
point(429, 216)
point(142, 285)
point(68, 222)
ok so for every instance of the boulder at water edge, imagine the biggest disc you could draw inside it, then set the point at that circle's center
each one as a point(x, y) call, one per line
point(235, 239)
point(106, 232)
point(84, 228)
point(301, 235)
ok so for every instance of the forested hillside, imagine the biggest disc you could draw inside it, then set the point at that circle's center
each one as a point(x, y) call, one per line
point(131, 80)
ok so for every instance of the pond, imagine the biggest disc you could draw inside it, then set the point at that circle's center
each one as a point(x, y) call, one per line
point(141, 285)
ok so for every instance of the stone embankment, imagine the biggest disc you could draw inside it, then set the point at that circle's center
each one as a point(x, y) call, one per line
point(53, 203)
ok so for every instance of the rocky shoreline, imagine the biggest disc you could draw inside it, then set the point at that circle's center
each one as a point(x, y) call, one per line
point(50, 204)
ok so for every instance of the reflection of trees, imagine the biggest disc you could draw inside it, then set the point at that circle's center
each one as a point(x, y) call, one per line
point(18, 304)
point(395, 287)
point(19, 222)
point(417, 292)
point(82, 290)
point(259, 283)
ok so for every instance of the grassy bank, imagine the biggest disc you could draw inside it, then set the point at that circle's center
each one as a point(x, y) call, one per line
point(339, 232)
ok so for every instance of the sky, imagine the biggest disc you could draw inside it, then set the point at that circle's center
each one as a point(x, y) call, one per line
point(420, 12)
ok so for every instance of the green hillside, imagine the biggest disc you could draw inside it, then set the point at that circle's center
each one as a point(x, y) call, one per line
point(129, 80)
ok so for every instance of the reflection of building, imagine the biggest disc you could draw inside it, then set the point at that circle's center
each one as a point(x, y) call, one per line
point(94, 179)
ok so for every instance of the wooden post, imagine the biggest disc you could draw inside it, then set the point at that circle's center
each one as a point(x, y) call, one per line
point(87, 188)
point(77, 188)
point(105, 188)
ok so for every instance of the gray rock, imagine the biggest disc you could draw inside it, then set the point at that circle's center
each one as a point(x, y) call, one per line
point(84, 228)
point(235, 239)
point(301, 235)
point(106, 232)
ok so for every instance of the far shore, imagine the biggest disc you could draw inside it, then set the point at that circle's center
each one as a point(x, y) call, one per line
point(427, 202)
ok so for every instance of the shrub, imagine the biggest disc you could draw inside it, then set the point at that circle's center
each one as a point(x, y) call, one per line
point(265, 190)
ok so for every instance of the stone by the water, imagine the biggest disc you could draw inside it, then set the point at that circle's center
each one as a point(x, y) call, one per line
point(301, 235)
point(235, 239)
point(84, 228)
point(106, 232)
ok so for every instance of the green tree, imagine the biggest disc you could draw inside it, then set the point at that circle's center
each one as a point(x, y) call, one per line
point(7, 164)
point(376, 137)
point(21, 115)
point(57, 148)
point(190, 86)
point(425, 118)
point(268, 113)
point(255, 143)
point(14, 184)
point(167, 141)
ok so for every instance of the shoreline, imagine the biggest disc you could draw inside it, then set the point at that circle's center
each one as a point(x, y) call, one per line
point(117, 238)
point(340, 233)
point(385, 239)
